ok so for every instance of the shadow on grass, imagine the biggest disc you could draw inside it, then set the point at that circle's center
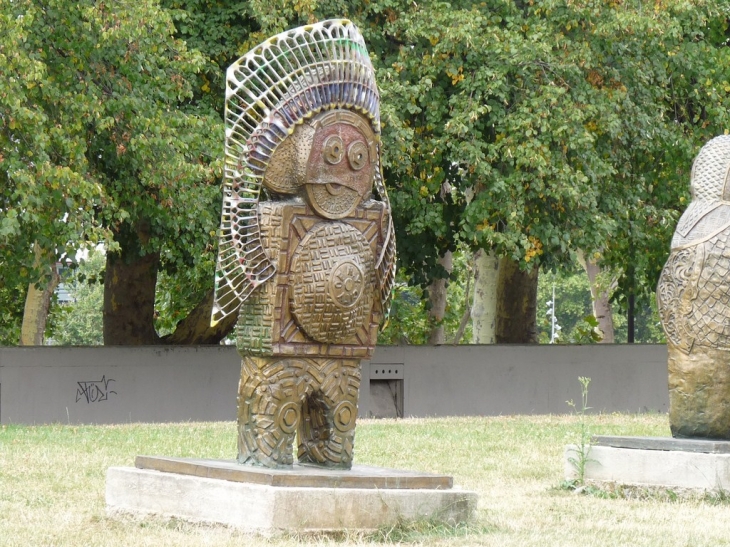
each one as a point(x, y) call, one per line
point(645, 493)
point(413, 531)
point(421, 530)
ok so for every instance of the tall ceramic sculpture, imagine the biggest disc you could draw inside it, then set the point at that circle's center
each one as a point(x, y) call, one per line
point(694, 301)
point(307, 252)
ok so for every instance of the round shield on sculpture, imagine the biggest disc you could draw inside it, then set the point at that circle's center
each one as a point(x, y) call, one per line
point(332, 281)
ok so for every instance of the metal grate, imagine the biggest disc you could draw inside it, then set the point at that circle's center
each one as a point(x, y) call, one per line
point(386, 372)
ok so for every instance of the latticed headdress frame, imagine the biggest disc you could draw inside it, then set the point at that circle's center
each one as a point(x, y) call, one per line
point(277, 85)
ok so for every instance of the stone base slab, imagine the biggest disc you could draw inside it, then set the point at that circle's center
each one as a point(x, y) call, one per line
point(696, 464)
point(268, 509)
point(360, 476)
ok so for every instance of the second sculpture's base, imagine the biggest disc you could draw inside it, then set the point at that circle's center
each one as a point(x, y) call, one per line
point(694, 464)
point(272, 500)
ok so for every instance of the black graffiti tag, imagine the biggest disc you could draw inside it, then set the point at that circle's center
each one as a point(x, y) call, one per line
point(93, 392)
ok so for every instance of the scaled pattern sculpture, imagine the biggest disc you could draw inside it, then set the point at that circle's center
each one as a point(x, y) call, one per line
point(306, 252)
point(693, 296)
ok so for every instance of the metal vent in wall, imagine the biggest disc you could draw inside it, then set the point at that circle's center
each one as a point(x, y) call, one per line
point(386, 372)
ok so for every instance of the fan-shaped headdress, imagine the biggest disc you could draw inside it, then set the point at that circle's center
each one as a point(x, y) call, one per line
point(269, 91)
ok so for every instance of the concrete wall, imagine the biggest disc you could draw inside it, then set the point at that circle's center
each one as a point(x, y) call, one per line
point(157, 384)
point(113, 385)
point(493, 380)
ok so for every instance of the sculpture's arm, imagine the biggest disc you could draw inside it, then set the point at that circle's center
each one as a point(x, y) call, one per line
point(386, 261)
point(242, 261)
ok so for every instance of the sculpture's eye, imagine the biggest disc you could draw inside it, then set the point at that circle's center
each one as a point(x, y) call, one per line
point(357, 154)
point(333, 149)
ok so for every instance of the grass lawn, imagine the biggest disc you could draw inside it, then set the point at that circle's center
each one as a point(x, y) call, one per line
point(52, 485)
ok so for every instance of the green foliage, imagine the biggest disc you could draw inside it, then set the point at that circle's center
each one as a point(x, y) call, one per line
point(181, 290)
point(486, 119)
point(79, 323)
point(12, 302)
point(647, 326)
point(219, 30)
point(530, 129)
point(573, 308)
point(675, 66)
point(533, 129)
point(586, 331)
point(100, 139)
point(460, 295)
point(409, 321)
point(43, 174)
point(574, 311)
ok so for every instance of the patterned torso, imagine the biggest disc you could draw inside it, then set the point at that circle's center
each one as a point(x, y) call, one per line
point(693, 294)
point(323, 299)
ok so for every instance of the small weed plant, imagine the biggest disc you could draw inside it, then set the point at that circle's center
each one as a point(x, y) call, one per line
point(583, 447)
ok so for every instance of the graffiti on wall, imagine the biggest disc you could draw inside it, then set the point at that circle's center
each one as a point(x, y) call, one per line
point(94, 392)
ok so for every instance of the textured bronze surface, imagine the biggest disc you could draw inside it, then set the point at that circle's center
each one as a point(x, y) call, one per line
point(304, 87)
point(314, 399)
point(274, 319)
point(332, 282)
point(307, 247)
point(341, 163)
point(699, 392)
point(287, 170)
point(693, 297)
point(360, 476)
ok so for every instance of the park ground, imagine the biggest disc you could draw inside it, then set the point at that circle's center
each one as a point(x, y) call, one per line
point(52, 482)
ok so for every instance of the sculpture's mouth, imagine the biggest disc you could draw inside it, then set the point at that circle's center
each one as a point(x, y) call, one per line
point(334, 188)
point(332, 199)
point(336, 184)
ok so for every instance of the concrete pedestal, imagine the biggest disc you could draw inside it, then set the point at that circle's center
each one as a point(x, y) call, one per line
point(269, 500)
point(655, 461)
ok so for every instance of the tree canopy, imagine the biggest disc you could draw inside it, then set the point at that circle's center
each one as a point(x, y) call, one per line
point(529, 129)
point(78, 322)
point(532, 129)
point(100, 138)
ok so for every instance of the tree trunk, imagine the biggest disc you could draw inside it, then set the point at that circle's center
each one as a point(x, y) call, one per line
point(516, 304)
point(129, 308)
point(129, 299)
point(600, 296)
point(37, 304)
point(484, 308)
point(466, 316)
point(196, 329)
point(437, 300)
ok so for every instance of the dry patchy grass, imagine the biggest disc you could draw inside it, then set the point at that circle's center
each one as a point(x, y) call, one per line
point(52, 485)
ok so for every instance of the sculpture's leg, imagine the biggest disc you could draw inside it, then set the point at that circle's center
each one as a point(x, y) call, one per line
point(270, 396)
point(327, 428)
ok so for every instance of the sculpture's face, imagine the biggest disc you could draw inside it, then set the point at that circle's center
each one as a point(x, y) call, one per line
point(341, 163)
